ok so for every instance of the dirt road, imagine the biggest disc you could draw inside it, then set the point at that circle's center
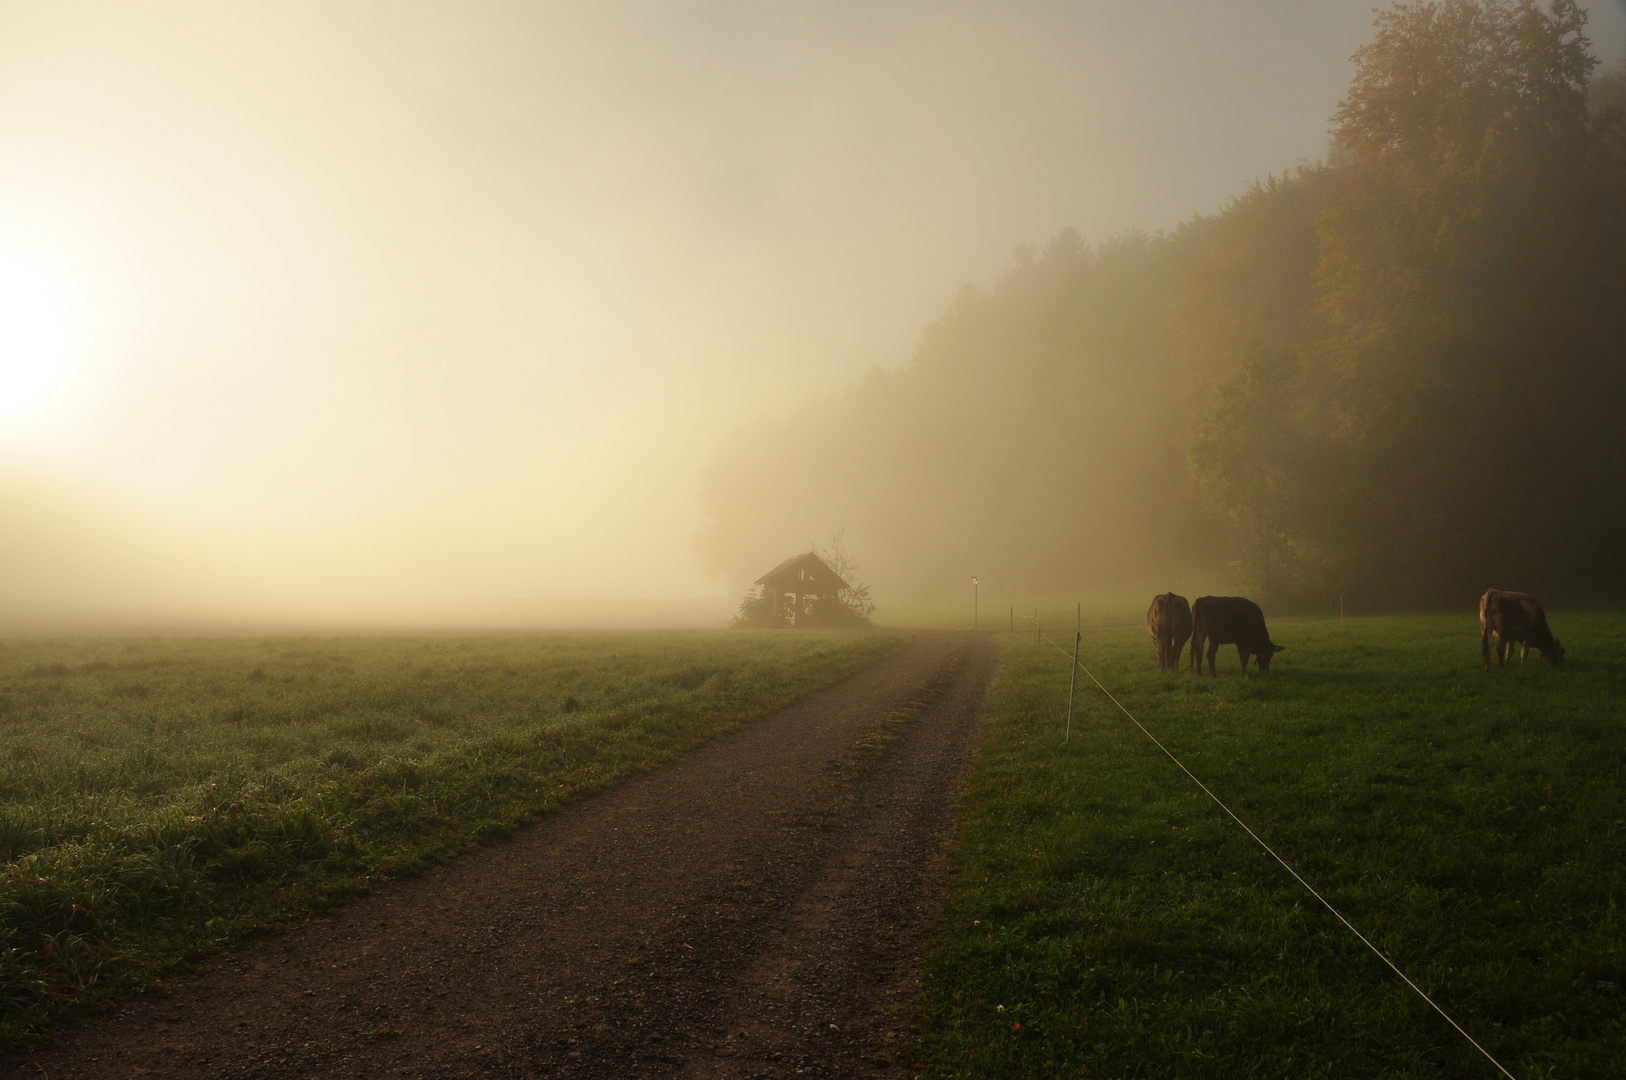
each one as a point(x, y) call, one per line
point(756, 909)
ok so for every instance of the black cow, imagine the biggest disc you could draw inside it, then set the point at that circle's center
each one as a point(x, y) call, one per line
point(1515, 618)
point(1169, 621)
point(1228, 620)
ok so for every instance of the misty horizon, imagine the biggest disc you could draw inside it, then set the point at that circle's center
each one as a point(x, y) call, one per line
point(327, 319)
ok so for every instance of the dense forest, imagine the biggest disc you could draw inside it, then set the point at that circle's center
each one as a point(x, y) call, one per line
point(1399, 375)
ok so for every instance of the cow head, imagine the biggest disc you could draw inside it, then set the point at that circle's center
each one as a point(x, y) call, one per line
point(1264, 657)
point(1554, 655)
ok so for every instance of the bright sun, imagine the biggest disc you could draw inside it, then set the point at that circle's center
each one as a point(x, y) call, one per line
point(35, 341)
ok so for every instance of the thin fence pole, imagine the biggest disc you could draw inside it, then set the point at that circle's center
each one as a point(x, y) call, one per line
point(1079, 622)
point(1072, 685)
point(1013, 618)
point(1038, 638)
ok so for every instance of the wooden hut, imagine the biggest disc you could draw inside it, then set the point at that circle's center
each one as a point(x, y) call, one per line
point(799, 576)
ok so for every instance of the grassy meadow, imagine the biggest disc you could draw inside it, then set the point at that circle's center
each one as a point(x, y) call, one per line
point(163, 798)
point(1105, 919)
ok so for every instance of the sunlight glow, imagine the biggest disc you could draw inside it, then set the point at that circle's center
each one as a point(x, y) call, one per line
point(36, 340)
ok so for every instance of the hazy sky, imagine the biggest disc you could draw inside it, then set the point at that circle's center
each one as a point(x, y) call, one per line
point(404, 308)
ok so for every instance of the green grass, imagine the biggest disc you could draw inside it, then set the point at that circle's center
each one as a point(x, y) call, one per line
point(1472, 825)
point(162, 799)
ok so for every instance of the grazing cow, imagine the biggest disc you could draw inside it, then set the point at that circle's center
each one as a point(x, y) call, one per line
point(1226, 620)
point(1169, 620)
point(1515, 617)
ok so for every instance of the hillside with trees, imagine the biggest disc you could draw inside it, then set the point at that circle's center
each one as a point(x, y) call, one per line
point(1399, 375)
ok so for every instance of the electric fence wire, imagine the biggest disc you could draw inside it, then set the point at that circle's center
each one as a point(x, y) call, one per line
point(1338, 914)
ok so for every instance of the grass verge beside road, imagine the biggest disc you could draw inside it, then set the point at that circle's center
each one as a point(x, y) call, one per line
point(161, 799)
point(1106, 919)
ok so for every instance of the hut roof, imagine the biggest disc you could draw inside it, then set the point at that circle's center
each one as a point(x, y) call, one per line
point(803, 573)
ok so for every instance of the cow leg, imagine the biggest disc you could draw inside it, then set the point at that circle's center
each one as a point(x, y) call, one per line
point(1484, 646)
point(1179, 644)
point(1524, 652)
point(1213, 651)
point(1242, 655)
point(1501, 651)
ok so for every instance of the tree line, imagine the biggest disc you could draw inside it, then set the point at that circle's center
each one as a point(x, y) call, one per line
point(1397, 375)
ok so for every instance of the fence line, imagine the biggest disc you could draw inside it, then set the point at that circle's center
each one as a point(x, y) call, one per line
point(1094, 626)
point(1311, 889)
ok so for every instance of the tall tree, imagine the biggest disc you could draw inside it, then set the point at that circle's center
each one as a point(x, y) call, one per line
point(1252, 463)
point(1463, 269)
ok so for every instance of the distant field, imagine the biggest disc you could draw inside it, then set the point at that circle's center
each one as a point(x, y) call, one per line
point(162, 798)
point(1472, 825)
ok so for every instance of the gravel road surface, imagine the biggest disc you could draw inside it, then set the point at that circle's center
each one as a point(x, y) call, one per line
point(757, 909)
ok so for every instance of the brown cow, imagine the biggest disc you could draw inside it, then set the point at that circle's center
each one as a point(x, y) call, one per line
point(1169, 620)
point(1226, 620)
point(1515, 617)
